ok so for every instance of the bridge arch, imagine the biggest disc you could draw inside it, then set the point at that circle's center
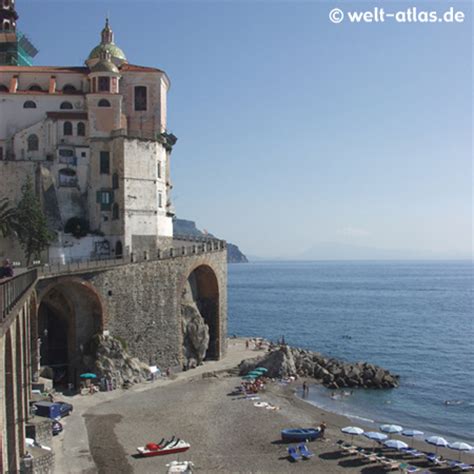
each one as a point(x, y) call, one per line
point(201, 288)
point(70, 313)
point(11, 441)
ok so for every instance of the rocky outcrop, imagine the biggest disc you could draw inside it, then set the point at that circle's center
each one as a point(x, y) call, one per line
point(183, 227)
point(285, 361)
point(112, 361)
point(195, 335)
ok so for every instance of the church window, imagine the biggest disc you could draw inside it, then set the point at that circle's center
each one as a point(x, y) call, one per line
point(159, 169)
point(104, 162)
point(67, 178)
point(35, 87)
point(105, 198)
point(66, 106)
point(115, 212)
point(104, 84)
point(81, 129)
point(160, 200)
point(29, 104)
point(103, 103)
point(67, 128)
point(69, 88)
point(33, 143)
point(6, 25)
point(140, 98)
point(115, 181)
point(3, 88)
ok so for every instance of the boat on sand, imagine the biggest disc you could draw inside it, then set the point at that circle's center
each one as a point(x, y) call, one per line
point(300, 434)
point(163, 447)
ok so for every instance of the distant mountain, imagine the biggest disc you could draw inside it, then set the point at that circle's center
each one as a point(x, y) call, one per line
point(186, 227)
point(342, 251)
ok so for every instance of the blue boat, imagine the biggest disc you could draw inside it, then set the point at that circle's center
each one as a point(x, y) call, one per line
point(300, 434)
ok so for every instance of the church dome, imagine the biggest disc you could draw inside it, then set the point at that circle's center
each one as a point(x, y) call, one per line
point(111, 48)
point(105, 65)
point(106, 46)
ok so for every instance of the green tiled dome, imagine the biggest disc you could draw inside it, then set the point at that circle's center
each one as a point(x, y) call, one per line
point(114, 51)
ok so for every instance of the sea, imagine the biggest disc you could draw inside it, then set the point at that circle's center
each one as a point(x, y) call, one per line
point(413, 318)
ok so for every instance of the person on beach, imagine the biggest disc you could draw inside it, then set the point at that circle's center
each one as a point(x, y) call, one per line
point(305, 389)
point(322, 428)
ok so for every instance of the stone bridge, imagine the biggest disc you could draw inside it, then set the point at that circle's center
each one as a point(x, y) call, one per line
point(50, 313)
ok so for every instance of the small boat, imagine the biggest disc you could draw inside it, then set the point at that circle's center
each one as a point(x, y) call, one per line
point(300, 434)
point(180, 466)
point(162, 448)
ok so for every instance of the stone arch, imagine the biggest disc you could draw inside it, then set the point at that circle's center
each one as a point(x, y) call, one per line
point(32, 325)
point(201, 288)
point(19, 385)
point(11, 457)
point(70, 313)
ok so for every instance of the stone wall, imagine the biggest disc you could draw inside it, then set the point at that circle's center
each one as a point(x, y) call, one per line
point(141, 303)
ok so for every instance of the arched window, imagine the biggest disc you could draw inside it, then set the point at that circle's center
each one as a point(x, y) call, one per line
point(81, 129)
point(103, 103)
point(69, 88)
point(67, 128)
point(6, 25)
point(35, 87)
point(33, 142)
point(104, 84)
point(115, 212)
point(140, 98)
point(29, 104)
point(66, 106)
point(3, 88)
point(115, 181)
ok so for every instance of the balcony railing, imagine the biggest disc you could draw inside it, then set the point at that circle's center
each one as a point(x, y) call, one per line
point(13, 289)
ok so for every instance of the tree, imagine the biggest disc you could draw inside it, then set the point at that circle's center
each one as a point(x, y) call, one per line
point(8, 218)
point(33, 234)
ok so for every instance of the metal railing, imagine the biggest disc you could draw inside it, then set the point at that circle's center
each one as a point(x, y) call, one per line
point(13, 289)
point(84, 265)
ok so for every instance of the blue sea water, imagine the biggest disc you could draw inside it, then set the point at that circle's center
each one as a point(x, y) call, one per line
point(413, 318)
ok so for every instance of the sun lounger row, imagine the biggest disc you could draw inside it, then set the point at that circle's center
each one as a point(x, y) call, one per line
point(380, 457)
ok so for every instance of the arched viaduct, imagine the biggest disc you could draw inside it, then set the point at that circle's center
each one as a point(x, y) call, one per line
point(51, 314)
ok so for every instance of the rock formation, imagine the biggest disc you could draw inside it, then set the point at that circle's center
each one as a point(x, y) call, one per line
point(285, 361)
point(112, 361)
point(195, 335)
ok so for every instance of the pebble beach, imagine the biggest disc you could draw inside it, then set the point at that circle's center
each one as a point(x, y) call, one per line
point(227, 433)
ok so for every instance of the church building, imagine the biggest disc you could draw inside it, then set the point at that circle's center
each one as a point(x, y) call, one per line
point(94, 141)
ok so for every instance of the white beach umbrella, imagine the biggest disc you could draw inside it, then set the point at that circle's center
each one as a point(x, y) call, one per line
point(460, 446)
point(395, 444)
point(391, 429)
point(437, 441)
point(375, 436)
point(353, 431)
point(412, 434)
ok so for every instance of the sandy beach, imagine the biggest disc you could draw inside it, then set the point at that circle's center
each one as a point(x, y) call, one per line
point(228, 434)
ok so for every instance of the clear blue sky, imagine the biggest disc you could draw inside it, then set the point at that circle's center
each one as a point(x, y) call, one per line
point(293, 130)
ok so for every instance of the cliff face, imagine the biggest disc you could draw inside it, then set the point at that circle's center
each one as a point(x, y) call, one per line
point(185, 227)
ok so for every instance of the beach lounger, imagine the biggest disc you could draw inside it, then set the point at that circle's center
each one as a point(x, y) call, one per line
point(305, 452)
point(459, 465)
point(414, 453)
point(434, 459)
point(389, 464)
point(293, 454)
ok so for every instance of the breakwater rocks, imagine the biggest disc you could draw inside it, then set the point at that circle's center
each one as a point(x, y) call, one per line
point(285, 361)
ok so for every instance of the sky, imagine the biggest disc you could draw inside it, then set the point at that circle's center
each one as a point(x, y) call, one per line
point(296, 132)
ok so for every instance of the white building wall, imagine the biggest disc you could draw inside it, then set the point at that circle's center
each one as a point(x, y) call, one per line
point(13, 117)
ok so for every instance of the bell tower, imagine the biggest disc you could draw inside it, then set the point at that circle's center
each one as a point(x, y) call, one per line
point(15, 48)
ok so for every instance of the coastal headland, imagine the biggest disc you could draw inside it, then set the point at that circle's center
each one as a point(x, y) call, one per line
point(227, 433)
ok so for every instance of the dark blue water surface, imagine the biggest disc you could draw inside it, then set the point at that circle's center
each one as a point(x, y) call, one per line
point(414, 318)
